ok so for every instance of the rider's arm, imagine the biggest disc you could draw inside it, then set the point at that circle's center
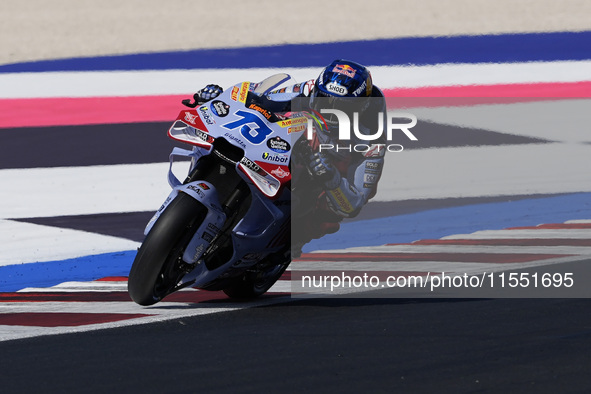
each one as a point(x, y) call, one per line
point(363, 175)
point(353, 191)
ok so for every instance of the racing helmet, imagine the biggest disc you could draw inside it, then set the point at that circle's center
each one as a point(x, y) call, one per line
point(344, 85)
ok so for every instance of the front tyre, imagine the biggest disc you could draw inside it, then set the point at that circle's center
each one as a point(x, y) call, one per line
point(158, 265)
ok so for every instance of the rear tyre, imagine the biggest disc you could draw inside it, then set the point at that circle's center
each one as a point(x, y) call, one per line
point(158, 265)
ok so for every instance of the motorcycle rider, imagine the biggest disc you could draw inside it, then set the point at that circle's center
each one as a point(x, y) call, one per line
point(348, 176)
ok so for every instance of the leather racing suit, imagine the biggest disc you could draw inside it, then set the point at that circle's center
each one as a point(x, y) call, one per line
point(358, 163)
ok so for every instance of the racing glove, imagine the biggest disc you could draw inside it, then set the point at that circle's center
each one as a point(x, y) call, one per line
point(204, 95)
point(207, 93)
point(321, 169)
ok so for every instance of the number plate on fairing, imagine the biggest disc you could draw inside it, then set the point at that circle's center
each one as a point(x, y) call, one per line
point(262, 135)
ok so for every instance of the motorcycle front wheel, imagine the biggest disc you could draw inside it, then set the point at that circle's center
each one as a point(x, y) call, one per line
point(158, 265)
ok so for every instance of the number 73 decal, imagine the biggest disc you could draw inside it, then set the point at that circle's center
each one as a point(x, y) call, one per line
point(251, 126)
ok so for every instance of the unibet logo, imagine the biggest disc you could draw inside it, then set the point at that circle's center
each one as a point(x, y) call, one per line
point(275, 157)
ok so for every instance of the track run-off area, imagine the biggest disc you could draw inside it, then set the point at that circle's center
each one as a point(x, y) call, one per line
point(498, 179)
point(497, 188)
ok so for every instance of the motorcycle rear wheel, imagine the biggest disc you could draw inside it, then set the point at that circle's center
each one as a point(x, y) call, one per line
point(158, 265)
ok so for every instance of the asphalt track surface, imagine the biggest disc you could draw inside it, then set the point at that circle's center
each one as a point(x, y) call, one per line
point(332, 345)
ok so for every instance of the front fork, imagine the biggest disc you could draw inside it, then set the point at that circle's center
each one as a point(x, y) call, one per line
point(202, 191)
point(222, 205)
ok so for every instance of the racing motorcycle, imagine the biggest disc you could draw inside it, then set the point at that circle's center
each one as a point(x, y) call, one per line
point(227, 225)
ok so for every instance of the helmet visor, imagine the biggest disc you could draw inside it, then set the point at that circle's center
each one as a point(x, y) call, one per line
point(327, 105)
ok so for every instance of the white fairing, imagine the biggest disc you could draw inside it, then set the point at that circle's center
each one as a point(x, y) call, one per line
point(265, 139)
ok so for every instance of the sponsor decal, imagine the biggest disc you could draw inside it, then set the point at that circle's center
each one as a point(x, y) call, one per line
point(369, 185)
point(296, 129)
point(250, 164)
point(243, 92)
point(197, 190)
point(342, 202)
point(278, 145)
point(206, 116)
point(370, 178)
point(220, 108)
point(372, 165)
point(189, 117)
point(275, 157)
point(308, 87)
point(261, 110)
point(337, 89)
point(280, 173)
point(165, 204)
point(344, 69)
point(203, 136)
point(213, 227)
point(203, 186)
point(360, 89)
point(292, 122)
point(297, 88)
point(234, 94)
point(199, 251)
point(235, 139)
point(375, 150)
